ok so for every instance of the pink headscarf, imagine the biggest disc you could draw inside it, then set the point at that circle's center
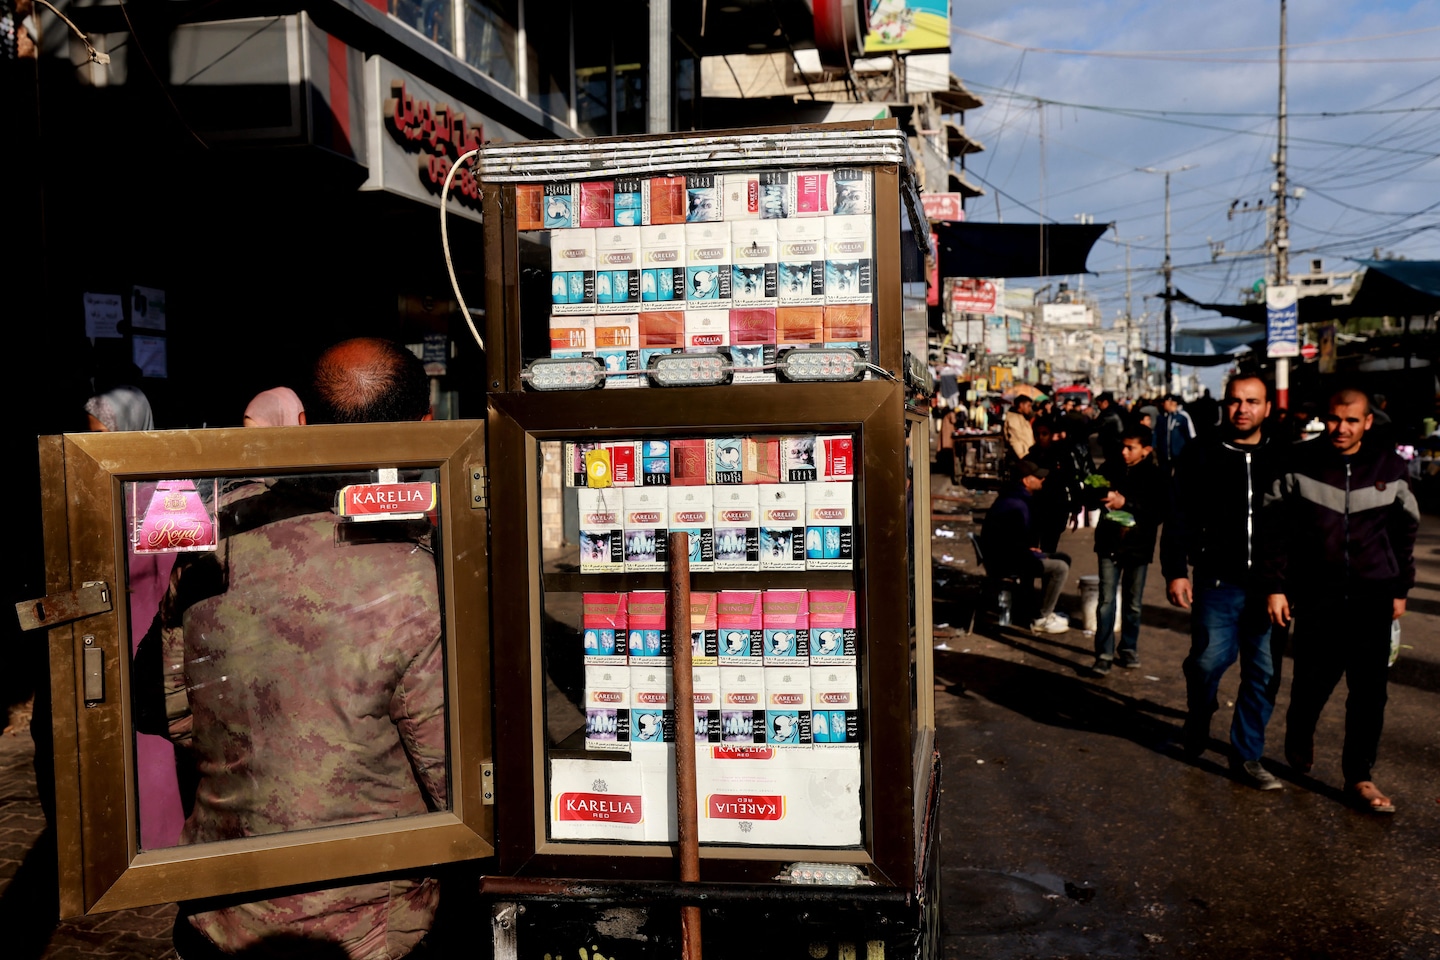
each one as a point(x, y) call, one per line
point(279, 407)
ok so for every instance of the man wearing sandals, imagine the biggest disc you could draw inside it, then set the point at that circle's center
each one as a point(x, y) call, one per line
point(1342, 551)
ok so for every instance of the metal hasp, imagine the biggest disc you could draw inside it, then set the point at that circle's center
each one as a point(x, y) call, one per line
point(93, 597)
point(94, 660)
point(479, 488)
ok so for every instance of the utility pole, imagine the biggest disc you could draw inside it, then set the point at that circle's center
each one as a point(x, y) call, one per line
point(1082, 218)
point(1169, 277)
point(1282, 225)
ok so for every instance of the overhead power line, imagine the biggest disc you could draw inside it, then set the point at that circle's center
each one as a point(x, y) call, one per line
point(1209, 56)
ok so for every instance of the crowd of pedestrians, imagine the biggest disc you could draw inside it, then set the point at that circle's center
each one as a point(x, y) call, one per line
point(1256, 528)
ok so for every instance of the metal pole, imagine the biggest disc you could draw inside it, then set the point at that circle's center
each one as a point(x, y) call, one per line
point(1169, 295)
point(1282, 225)
point(657, 77)
point(687, 818)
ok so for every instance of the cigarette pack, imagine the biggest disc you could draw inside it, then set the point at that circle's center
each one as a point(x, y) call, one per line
point(742, 704)
point(741, 194)
point(829, 526)
point(740, 620)
point(737, 528)
point(799, 326)
point(602, 534)
point(787, 705)
point(760, 460)
point(704, 198)
point(655, 463)
point(617, 345)
point(604, 625)
point(707, 331)
point(628, 208)
point(617, 270)
point(849, 260)
point(776, 198)
point(572, 336)
point(725, 463)
point(848, 325)
point(707, 264)
point(833, 637)
point(646, 513)
point(559, 210)
point(852, 192)
point(596, 465)
point(704, 629)
point(660, 333)
point(706, 696)
point(572, 271)
point(801, 281)
point(786, 614)
point(754, 263)
point(529, 206)
point(607, 708)
point(689, 463)
point(752, 344)
point(663, 200)
point(573, 462)
point(834, 705)
point(662, 267)
point(810, 192)
point(797, 459)
point(597, 203)
point(835, 457)
point(782, 526)
point(692, 511)
point(652, 717)
point(649, 635)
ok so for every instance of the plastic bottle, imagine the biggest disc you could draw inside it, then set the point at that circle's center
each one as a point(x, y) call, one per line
point(1004, 608)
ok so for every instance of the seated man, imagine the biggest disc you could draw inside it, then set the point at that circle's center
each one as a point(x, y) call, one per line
point(1008, 536)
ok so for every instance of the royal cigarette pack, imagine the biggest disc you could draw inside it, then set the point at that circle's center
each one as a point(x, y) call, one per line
point(737, 528)
point(752, 344)
point(787, 705)
point(704, 629)
point(848, 325)
point(689, 462)
point(647, 511)
point(661, 332)
point(617, 270)
point(649, 633)
point(834, 705)
point(652, 717)
point(740, 620)
point(692, 511)
point(786, 615)
point(742, 704)
point(663, 200)
point(572, 271)
point(662, 267)
point(849, 260)
point(607, 708)
point(833, 636)
point(754, 263)
point(617, 345)
point(799, 327)
point(602, 534)
point(529, 206)
point(782, 526)
point(597, 203)
point(801, 279)
point(829, 526)
point(707, 264)
point(604, 628)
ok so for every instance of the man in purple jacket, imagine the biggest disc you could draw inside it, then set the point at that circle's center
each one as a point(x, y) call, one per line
point(1343, 553)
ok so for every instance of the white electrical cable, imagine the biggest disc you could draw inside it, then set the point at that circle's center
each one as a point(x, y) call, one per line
point(445, 245)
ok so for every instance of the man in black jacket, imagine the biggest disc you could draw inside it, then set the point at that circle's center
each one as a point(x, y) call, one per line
point(1215, 523)
point(1343, 552)
point(1007, 539)
point(1125, 544)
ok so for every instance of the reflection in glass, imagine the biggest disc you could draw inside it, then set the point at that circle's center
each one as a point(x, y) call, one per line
point(297, 665)
point(432, 18)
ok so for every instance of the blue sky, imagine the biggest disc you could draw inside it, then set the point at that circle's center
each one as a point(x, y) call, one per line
point(1170, 84)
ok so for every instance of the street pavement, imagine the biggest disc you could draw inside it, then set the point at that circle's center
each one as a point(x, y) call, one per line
point(1072, 826)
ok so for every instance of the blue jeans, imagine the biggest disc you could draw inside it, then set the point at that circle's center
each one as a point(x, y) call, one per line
point(1127, 578)
point(1230, 621)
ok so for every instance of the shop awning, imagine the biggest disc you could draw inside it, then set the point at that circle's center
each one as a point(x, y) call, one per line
point(1398, 288)
point(1015, 249)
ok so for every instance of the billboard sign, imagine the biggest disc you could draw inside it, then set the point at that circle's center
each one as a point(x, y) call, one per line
point(1065, 314)
point(943, 206)
point(974, 295)
point(1282, 321)
point(908, 25)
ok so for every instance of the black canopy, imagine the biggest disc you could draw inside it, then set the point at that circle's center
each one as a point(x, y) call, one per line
point(1015, 249)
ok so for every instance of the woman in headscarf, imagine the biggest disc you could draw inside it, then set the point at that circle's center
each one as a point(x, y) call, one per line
point(279, 407)
point(124, 408)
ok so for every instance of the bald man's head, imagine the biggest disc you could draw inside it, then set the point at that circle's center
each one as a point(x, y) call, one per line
point(369, 380)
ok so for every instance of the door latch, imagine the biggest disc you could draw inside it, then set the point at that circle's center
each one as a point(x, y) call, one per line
point(93, 597)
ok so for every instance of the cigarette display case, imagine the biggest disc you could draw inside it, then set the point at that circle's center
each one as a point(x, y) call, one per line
point(704, 334)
